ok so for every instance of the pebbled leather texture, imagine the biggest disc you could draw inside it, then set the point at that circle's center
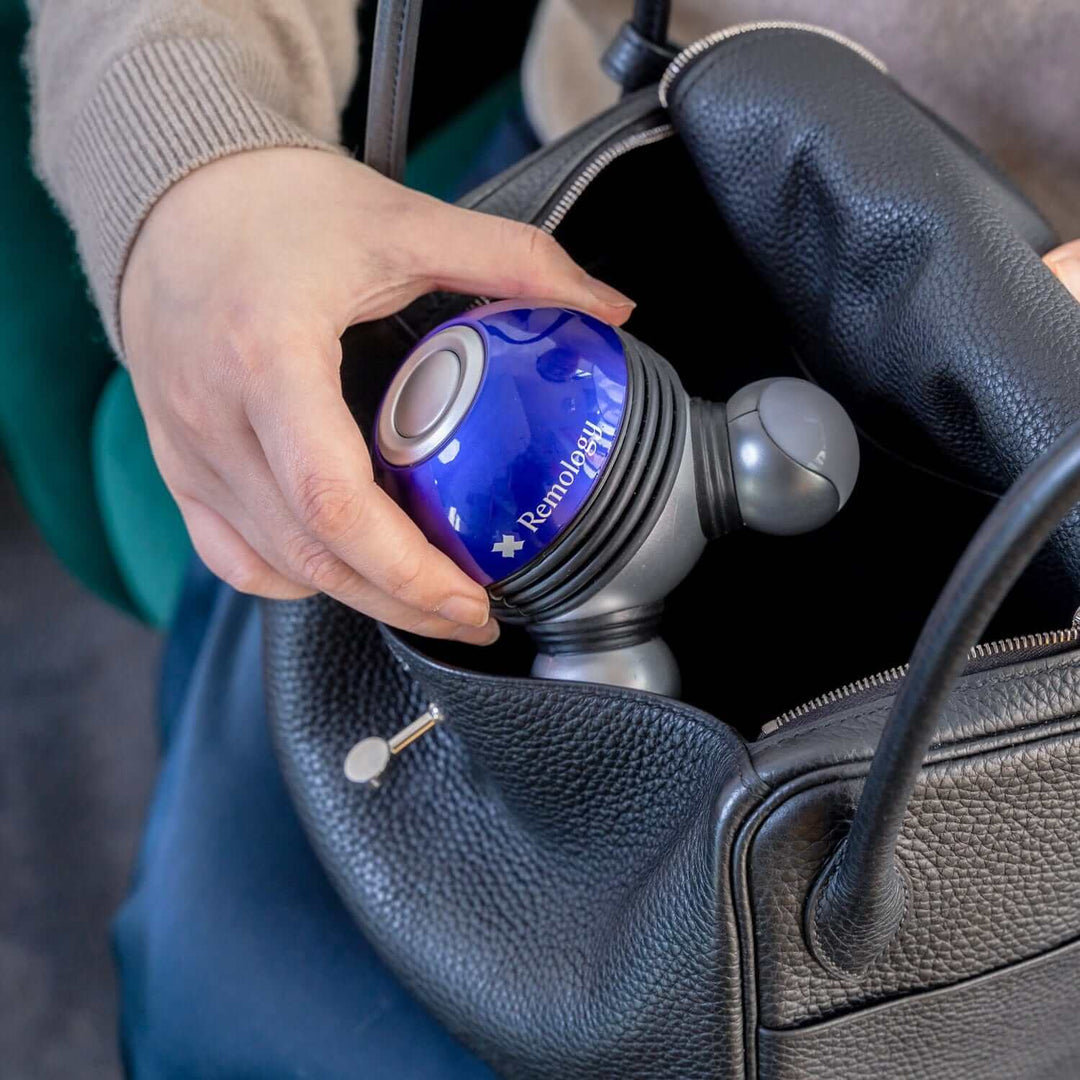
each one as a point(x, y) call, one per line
point(540, 870)
point(1015, 1024)
point(990, 847)
point(860, 899)
point(550, 871)
point(587, 882)
point(905, 267)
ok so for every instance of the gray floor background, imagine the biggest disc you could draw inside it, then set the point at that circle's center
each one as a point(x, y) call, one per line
point(77, 753)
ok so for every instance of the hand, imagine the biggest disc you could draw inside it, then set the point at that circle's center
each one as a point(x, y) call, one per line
point(238, 288)
point(1064, 261)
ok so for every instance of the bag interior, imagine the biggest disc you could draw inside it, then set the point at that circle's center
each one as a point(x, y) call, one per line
point(765, 623)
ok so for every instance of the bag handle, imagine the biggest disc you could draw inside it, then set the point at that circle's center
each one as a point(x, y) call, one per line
point(640, 51)
point(390, 85)
point(651, 19)
point(393, 65)
point(858, 902)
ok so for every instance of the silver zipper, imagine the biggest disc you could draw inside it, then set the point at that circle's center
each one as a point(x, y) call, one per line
point(598, 164)
point(985, 651)
point(587, 175)
point(703, 44)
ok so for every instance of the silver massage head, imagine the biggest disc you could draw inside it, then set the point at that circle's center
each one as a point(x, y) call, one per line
point(794, 455)
point(781, 457)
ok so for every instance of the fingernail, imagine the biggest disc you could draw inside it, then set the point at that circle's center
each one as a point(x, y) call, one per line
point(1064, 265)
point(488, 634)
point(607, 295)
point(1067, 270)
point(466, 610)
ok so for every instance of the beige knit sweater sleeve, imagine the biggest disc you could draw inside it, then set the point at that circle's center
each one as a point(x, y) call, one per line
point(131, 95)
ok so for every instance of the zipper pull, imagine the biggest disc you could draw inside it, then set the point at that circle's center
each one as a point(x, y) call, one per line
point(366, 762)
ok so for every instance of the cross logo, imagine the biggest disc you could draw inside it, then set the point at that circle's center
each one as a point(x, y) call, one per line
point(508, 546)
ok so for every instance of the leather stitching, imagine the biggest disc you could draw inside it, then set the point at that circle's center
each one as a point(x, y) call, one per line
point(392, 126)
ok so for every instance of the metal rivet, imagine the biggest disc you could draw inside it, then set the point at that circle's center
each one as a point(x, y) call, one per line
point(367, 761)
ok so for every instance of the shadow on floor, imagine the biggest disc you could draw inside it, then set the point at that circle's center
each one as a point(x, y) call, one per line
point(77, 755)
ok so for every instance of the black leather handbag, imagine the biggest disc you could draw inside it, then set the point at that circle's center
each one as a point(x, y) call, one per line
point(583, 881)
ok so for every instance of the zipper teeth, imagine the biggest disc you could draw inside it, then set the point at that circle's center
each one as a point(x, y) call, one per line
point(703, 44)
point(983, 651)
point(587, 175)
point(597, 166)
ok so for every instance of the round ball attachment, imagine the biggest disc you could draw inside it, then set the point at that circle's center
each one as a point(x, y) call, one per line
point(496, 430)
point(794, 455)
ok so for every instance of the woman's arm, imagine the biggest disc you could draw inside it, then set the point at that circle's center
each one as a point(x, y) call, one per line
point(228, 279)
point(131, 95)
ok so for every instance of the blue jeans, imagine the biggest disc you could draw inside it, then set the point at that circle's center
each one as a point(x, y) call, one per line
point(236, 957)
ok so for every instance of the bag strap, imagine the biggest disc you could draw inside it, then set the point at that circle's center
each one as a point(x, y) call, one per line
point(651, 19)
point(640, 51)
point(858, 902)
point(393, 65)
point(390, 85)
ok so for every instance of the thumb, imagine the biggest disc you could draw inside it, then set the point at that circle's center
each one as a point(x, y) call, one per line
point(471, 252)
point(1064, 261)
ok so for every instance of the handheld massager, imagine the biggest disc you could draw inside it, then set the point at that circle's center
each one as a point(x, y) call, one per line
point(559, 462)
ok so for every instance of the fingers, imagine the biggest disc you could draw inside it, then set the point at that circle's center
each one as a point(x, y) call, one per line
point(228, 555)
point(470, 252)
point(233, 543)
point(350, 539)
point(247, 496)
point(304, 528)
point(1064, 261)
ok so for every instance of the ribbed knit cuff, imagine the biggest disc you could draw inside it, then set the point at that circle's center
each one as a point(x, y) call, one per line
point(161, 111)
